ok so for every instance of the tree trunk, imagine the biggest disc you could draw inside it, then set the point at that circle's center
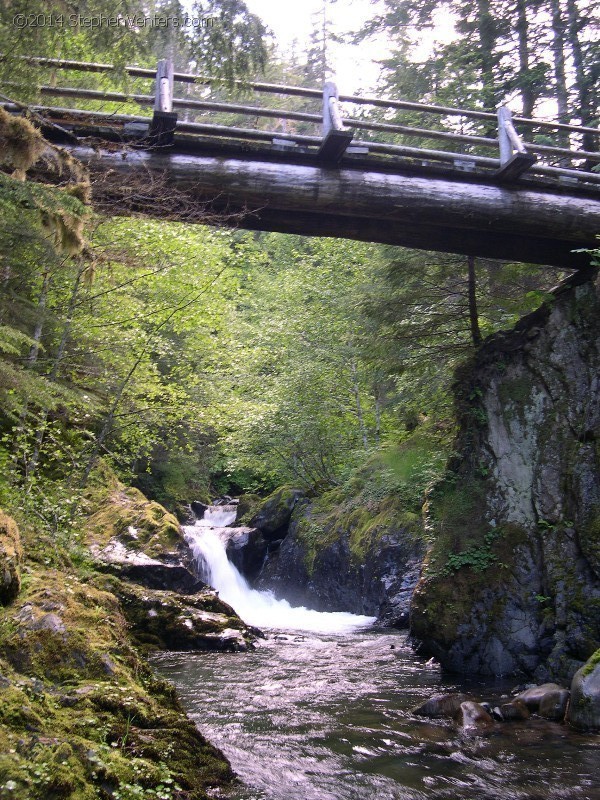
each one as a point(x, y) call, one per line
point(537, 225)
point(486, 28)
point(583, 81)
point(473, 316)
point(560, 73)
point(527, 93)
point(377, 394)
point(359, 410)
point(39, 324)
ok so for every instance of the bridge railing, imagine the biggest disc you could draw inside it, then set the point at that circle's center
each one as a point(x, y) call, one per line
point(512, 153)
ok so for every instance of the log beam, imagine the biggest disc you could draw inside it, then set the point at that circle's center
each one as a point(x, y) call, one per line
point(432, 213)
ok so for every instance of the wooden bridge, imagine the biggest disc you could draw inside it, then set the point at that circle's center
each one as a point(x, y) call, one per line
point(495, 185)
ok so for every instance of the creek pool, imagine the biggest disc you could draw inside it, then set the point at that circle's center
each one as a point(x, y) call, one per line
point(322, 716)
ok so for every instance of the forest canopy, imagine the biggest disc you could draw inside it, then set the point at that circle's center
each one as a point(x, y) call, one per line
point(198, 360)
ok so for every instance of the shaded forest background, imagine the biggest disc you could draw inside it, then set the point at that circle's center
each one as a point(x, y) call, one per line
point(198, 360)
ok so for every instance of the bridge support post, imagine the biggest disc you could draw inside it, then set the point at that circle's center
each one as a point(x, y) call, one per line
point(335, 137)
point(164, 120)
point(512, 163)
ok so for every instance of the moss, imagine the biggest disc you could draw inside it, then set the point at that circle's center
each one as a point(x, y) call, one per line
point(273, 515)
point(11, 556)
point(81, 713)
point(449, 589)
point(517, 391)
point(366, 530)
point(589, 539)
point(314, 537)
point(82, 716)
point(125, 513)
point(248, 507)
point(20, 143)
point(591, 664)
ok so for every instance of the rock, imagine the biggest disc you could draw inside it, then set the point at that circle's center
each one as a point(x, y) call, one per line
point(472, 715)
point(275, 513)
point(198, 508)
point(515, 710)
point(172, 621)
point(584, 709)
point(248, 505)
point(153, 573)
point(553, 705)
point(185, 514)
point(534, 696)
point(330, 577)
point(442, 705)
point(247, 549)
point(125, 518)
point(518, 589)
point(94, 703)
point(11, 556)
point(49, 622)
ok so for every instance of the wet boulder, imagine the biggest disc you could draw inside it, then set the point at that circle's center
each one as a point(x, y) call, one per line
point(442, 705)
point(171, 621)
point(198, 508)
point(584, 709)
point(247, 549)
point(10, 559)
point(273, 517)
point(553, 705)
point(515, 710)
point(473, 716)
point(533, 697)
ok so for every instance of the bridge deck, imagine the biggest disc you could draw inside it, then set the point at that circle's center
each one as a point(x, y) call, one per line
point(513, 206)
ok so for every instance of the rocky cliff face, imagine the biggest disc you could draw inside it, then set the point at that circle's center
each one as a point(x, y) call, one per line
point(512, 583)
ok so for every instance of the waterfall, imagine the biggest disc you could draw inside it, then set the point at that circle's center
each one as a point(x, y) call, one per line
point(208, 541)
point(218, 516)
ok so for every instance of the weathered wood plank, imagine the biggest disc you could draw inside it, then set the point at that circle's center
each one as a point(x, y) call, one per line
point(299, 91)
point(335, 137)
point(431, 212)
point(334, 146)
point(515, 166)
point(164, 120)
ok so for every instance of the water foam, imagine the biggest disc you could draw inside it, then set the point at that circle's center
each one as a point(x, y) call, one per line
point(208, 544)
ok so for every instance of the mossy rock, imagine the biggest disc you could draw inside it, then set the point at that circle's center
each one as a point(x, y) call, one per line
point(589, 540)
point(82, 716)
point(11, 556)
point(274, 515)
point(584, 709)
point(144, 525)
point(247, 508)
point(65, 630)
point(170, 621)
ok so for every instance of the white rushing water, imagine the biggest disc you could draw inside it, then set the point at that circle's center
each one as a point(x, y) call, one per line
point(208, 541)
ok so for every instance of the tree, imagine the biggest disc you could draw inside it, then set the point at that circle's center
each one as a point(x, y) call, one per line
point(235, 46)
point(504, 46)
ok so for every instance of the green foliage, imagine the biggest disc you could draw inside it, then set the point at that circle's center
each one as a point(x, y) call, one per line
point(477, 558)
point(235, 45)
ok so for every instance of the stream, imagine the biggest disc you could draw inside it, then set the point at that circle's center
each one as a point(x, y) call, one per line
point(321, 711)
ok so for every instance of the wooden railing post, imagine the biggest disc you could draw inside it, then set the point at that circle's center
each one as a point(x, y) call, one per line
point(163, 90)
point(512, 164)
point(164, 120)
point(335, 136)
